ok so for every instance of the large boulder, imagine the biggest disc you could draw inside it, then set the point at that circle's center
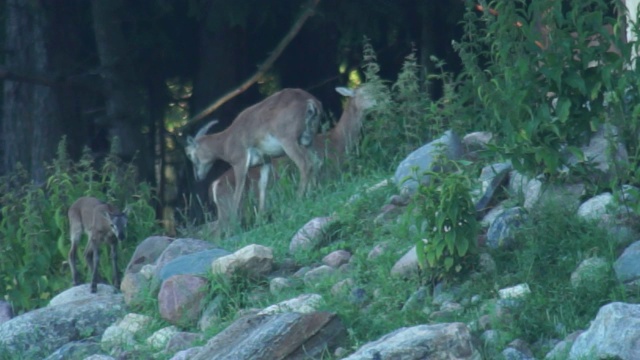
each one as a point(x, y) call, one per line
point(147, 252)
point(81, 293)
point(427, 158)
point(181, 298)
point(135, 283)
point(177, 248)
point(198, 263)
point(627, 266)
point(288, 336)
point(596, 207)
point(436, 342)
point(614, 334)
point(38, 333)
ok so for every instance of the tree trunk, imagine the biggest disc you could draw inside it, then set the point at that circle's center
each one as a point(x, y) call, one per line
point(123, 101)
point(30, 117)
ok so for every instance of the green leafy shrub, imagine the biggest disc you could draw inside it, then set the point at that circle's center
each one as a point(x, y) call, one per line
point(34, 233)
point(539, 94)
point(446, 216)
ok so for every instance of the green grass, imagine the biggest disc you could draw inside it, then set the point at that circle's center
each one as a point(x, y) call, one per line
point(551, 246)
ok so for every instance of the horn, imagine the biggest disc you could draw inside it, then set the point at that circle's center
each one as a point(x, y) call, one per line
point(205, 128)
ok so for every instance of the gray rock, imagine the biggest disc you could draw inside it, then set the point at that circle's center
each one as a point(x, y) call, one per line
point(376, 251)
point(177, 248)
point(187, 354)
point(605, 152)
point(6, 311)
point(135, 287)
point(561, 350)
point(475, 142)
point(312, 277)
point(443, 293)
point(342, 287)
point(198, 263)
point(614, 333)
point(181, 299)
point(492, 214)
point(77, 350)
point(529, 189)
point(501, 231)
point(305, 303)
point(337, 258)
point(253, 261)
point(518, 350)
point(491, 178)
point(100, 357)
point(627, 266)
point(310, 235)
point(440, 341)
point(290, 336)
point(590, 272)
point(417, 300)
point(279, 284)
point(211, 314)
point(427, 158)
point(81, 292)
point(160, 339)
point(147, 252)
point(38, 333)
point(596, 207)
point(407, 266)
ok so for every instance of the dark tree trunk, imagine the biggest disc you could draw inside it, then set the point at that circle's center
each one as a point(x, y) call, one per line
point(30, 118)
point(122, 99)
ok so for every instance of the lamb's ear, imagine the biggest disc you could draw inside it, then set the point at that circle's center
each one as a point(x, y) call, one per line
point(107, 215)
point(345, 91)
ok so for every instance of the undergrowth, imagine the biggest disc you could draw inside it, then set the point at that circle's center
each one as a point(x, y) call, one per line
point(34, 228)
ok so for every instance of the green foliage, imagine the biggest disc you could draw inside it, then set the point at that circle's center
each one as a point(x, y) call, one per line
point(405, 113)
point(538, 93)
point(553, 242)
point(34, 224)
point(446, 215)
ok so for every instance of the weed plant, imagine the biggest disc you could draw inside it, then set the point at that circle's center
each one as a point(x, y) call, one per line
point(34, 234)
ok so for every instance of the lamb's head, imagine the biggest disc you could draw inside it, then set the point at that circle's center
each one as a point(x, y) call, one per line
point(118, 223)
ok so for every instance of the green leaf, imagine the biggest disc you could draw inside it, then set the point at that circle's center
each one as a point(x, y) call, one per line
point(448, 263)
point(562, 110)
point(463, 247)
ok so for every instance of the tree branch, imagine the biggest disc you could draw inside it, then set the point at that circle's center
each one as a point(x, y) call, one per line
point(308, 12)
point(48, 80)
point(6, 74)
